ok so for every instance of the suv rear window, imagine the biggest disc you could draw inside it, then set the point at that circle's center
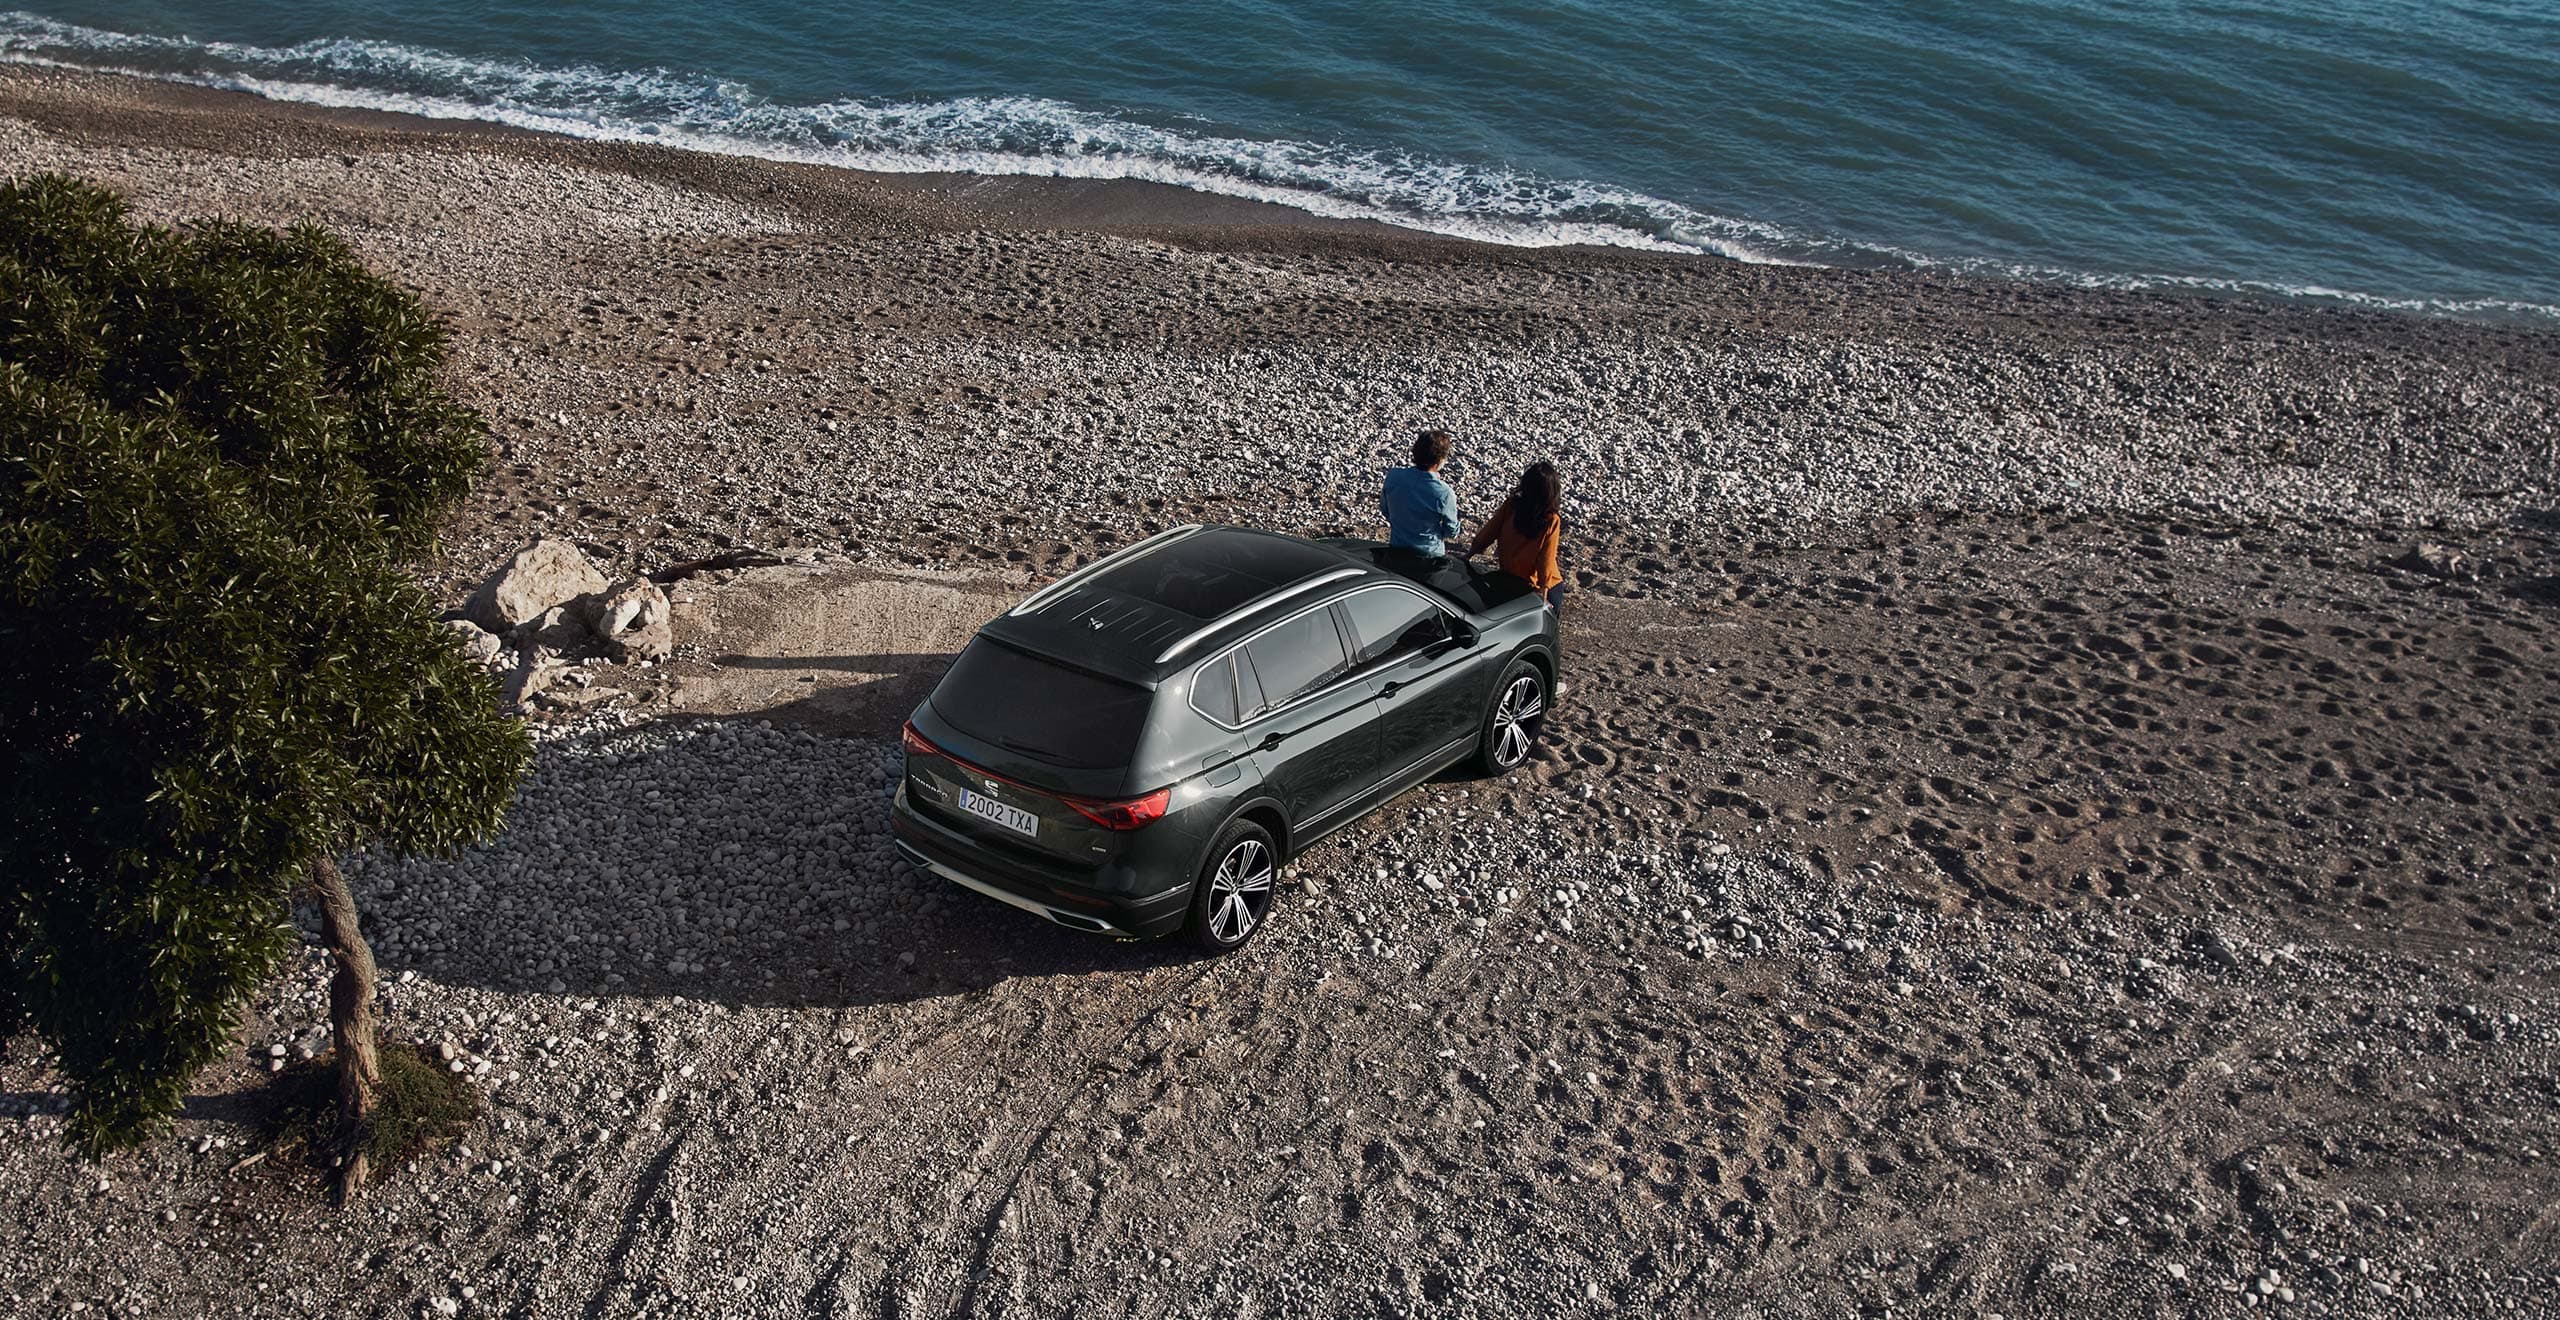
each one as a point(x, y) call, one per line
point(1042, 709)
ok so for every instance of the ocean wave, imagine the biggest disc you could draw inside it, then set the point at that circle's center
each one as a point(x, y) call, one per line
point(967, 135)
point(1039, 137)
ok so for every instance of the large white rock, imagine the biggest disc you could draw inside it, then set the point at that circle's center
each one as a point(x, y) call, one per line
point(542, 575)
point(535, 670)
point(477, 642)
point(633, 620)
point(561, 631)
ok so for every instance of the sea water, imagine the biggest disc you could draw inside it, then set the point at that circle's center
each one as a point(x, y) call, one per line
point(2394, 153)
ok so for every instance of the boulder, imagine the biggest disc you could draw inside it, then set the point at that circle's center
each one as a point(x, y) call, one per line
point(477, 642)
point(560, 631)
point(535, 671)
point(541, 576)
point(2437, 561)
point(632, 619)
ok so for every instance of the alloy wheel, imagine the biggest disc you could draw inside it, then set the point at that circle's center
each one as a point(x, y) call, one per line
point(1240, 891)
point(1515, 720)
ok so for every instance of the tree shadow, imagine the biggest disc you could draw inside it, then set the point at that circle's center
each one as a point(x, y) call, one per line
point(723, 861)
point(247, 1103)
point(250, 1104)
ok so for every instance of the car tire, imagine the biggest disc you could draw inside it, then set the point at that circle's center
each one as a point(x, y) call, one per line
point(1513, 720)
point(1232, 898)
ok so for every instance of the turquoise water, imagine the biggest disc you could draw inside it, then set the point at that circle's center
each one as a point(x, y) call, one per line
point(2397, 153)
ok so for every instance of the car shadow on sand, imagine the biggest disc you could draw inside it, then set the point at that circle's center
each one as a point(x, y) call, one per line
point(744, 860)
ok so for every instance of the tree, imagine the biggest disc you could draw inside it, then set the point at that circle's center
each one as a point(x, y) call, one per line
point(220, 445)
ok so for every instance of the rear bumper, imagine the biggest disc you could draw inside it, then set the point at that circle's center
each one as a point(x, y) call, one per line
point(951, 856)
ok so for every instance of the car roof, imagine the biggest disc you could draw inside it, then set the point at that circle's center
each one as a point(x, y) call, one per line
point(1144, 612)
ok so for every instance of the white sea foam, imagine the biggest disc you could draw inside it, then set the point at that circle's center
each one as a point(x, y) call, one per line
point(969, 135)
point(1037, 137)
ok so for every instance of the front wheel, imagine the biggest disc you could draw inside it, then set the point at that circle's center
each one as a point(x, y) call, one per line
point(1518, 716)
point(1234, 893)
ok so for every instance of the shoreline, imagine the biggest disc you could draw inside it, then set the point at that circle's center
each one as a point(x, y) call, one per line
point(214, 117)
point(207, 117)
point(706, 349)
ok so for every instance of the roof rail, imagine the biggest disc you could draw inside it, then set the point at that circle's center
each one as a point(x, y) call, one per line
point(1156, 541)
point(1272, 596)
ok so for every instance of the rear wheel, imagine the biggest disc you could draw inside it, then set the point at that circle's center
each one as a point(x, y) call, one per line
point(1518, 716)
point(1234, 893)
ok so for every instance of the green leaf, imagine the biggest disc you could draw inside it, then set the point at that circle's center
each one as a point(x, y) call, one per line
point(218, 447)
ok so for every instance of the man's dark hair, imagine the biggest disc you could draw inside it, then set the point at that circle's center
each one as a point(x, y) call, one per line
point(1431, 449)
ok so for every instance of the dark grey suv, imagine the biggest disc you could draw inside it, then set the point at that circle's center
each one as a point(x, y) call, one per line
point(1140, 746)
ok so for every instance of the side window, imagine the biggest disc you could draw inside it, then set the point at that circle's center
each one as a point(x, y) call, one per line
point(1226, 691)
point(1214, 692)
point(1249, 702)
point(1297, 657)
point(1390, 622)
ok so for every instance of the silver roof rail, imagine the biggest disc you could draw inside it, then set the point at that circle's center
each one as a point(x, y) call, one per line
point(1271, 597)
point(1156, 541)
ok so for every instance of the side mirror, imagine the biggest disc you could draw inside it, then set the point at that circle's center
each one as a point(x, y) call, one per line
point(1464, 631)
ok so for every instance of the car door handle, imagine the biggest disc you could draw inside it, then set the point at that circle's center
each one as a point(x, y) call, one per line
point(1269, 741)
point(1390, 689)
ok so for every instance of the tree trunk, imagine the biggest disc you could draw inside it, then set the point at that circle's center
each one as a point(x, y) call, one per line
point(350, 1019)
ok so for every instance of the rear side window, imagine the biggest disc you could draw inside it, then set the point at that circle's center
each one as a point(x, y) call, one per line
point(1041, 709)
point(1387, 622)
point(1214, 691)
point(1225, 691)
point(1297, 657)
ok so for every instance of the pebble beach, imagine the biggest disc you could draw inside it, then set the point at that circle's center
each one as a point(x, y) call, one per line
point(2053, 815)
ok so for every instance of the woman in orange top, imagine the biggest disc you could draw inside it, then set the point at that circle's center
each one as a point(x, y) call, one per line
point(1525, 530)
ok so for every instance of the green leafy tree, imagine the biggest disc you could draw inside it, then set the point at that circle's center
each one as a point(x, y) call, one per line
point(219, 446)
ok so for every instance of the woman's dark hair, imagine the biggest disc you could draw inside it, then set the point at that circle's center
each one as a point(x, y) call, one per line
point(1534, 500)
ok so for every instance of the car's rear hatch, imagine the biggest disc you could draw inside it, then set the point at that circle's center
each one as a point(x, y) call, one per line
point(1029, 754)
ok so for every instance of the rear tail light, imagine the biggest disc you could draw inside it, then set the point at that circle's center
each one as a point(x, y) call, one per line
point(1124, 815)
point(916, 743)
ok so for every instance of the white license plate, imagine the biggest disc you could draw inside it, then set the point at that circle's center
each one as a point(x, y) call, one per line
point(1012, 818)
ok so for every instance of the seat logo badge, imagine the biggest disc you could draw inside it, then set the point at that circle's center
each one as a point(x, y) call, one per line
point(1095, 624)
point(991, 786)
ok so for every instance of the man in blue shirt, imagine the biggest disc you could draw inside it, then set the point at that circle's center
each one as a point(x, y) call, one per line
point(1420, 508)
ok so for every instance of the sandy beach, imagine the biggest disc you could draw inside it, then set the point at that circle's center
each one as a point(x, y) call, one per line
point(2054, 813)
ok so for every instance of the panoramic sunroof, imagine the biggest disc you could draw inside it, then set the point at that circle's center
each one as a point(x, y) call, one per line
point(1207, 575)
